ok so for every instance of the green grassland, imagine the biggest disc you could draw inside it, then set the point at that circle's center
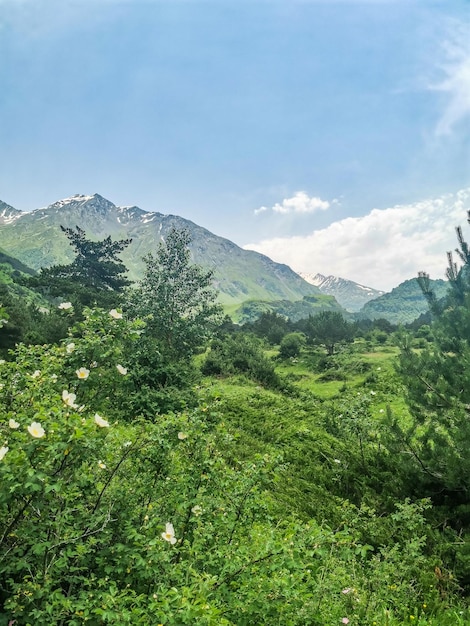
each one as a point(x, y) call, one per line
point(281, 504)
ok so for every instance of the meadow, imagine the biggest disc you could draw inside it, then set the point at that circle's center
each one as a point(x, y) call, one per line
point(257, 504)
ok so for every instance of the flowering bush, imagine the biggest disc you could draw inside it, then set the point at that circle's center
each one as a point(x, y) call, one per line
point(109, 518)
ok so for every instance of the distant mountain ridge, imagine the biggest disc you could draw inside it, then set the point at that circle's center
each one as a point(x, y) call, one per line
point(351, 295)
point(404, 303)
point(8, 213)
point(35, 239)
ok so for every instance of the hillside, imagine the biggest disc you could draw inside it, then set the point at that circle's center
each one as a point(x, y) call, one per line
point(404, 303)
point(12, 268)
point(300, 309)
point(35, 239)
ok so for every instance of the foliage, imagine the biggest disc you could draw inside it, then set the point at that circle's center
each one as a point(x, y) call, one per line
point(291, 345)
point(111, 522)
point(330, 329)
point(95, 276)
point(438, 382)
point(270, 326)
point(296, 310)
point(240, 353)
point(176, 298)
point(135, 492)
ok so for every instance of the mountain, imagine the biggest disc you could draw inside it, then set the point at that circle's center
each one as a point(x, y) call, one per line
point(8, 213)
point(35, 239)
point(350, 295)
point(404, 303)
point(11, 268)
point(251, 310)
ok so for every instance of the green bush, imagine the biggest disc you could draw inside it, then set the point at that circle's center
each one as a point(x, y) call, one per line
point(240, 354)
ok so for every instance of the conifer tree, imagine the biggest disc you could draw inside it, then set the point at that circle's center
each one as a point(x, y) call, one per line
point(95, 276)
point(437, 382)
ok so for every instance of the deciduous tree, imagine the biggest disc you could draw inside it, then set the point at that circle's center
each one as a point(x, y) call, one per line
point(176, 297)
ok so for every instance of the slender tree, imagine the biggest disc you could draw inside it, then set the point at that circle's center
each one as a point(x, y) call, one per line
point(176, 297)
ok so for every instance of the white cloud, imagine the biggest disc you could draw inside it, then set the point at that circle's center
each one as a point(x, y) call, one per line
point(300, 202)
point(262, 209)
point(381, 249)
point(456, 81)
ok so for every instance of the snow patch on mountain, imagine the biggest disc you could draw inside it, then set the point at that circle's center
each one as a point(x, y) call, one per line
point(351, 295)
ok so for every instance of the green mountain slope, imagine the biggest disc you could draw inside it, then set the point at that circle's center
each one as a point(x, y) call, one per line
point(36, 239)
point(404, 303)
point(300, 309)
point(11, 267)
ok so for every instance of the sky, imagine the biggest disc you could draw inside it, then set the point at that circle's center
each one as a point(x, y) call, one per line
point(333, 136)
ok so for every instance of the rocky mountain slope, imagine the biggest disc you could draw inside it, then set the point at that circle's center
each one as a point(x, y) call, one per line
point(35, 239)
point(350, 295)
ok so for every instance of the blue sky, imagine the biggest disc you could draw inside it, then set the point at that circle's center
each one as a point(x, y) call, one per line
point(266, 122)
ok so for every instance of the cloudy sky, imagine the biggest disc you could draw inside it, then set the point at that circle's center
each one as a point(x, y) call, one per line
point(331, 135)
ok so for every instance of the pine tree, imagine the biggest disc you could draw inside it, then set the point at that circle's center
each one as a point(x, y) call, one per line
point(437, 382)
point(95, 276)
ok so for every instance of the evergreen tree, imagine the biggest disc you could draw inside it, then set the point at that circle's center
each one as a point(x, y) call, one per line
point(437, 381)
point(95, 276)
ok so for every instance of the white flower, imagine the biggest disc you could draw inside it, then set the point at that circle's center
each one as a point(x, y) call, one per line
point(115, 314)
point(36, 430)
point(169, 534)
point(65, 305)
point(99, 421)
point(347, 590)
point(182, 436)
point(54, 377)
point(337, 461)
point(126, 444)
point(69, 399)
point(197, 510)
point(122, 370)
point(13, 424)
point(70, 347)
point(82, 373)
point(36, 373)
point(3, 451)
point(2, 361)
point(372, 393)
point(101, 465)
point(381, 411)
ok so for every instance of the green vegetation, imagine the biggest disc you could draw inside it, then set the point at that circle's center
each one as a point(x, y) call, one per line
point(404, 303)
point(159, 465)
point(296, 310)
point(95, 275)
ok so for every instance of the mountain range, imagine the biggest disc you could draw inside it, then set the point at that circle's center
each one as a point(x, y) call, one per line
point(350, 295)
point(35, 238)
point(404, 303)
point(248, 282)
